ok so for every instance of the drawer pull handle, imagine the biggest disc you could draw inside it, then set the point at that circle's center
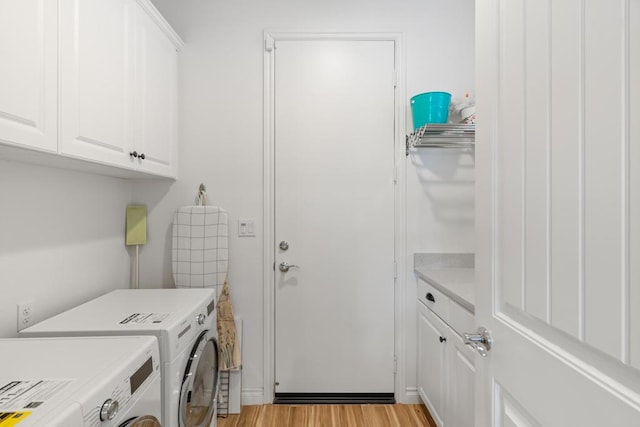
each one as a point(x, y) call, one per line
point(430, 297)
point(443, 339)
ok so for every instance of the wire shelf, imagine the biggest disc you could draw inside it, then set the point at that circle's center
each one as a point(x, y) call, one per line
point(443, 136)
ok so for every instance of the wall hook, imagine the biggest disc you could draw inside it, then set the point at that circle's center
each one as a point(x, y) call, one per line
point(201, 198)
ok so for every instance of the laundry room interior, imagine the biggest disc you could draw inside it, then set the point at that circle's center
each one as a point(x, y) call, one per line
point(63, 222)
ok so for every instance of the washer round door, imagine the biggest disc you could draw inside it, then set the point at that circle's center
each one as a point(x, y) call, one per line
point(198, 394)
point(146, 421)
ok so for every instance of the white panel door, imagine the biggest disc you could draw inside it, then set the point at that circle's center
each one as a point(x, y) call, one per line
point(558, 208)
point(28, 73)
point(96, 44)
point(334, 205)
point(156, 63)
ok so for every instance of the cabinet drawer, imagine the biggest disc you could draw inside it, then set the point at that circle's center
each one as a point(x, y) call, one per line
point(434, 299)
point(460, 319)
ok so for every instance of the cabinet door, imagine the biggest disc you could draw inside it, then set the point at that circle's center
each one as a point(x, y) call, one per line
point(462, 373)
point(432, 362)
point(156, 88)
point(28, 74)
point(96, 79)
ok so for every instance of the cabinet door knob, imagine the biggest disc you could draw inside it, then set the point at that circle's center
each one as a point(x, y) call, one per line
point(443, 339)
point(430, 297)
point(142, 156)
point(133, 154)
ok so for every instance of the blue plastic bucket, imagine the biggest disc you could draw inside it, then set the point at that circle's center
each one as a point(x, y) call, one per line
point(430, 107)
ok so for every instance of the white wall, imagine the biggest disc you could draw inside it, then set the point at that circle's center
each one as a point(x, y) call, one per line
point(221, 78)
point(61, 239)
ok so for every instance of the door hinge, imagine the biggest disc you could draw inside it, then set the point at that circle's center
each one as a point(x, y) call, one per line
point(395, 79)
point(269, 44)
point(395, 270)
point(395, 364)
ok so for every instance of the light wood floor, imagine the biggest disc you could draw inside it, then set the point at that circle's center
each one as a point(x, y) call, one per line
point(330, 416)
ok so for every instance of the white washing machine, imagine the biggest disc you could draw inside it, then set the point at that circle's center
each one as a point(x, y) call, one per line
point(183, 320)
point(80, 382)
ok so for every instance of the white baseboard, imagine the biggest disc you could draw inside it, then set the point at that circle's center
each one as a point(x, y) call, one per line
point(412, 397)
point(252, 396)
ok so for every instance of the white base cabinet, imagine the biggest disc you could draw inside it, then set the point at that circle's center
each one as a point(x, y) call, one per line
point(446, 374)
point(432, 362)
point(461, 382)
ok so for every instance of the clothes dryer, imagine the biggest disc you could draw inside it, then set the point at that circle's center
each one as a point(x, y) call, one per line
point(184, 322)
point(80, 382)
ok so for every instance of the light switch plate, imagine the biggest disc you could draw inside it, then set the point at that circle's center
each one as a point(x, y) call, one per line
point(246, 227)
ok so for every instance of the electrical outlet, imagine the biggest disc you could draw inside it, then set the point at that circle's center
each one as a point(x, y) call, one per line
point(25, 314)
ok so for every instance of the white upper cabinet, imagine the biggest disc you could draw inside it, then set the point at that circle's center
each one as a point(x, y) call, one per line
point(118, 91)
point(96, 90)
point(104, 71)
point(28, 74)
point(155, 65)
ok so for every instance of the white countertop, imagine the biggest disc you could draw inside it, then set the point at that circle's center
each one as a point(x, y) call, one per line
point(456, 283)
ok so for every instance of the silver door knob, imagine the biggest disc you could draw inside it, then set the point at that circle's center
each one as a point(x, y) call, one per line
point(284, 266)
point(284, 245)
point(480, 341)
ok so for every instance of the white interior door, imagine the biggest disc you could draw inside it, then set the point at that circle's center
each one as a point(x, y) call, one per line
point(558, 212)
point(334, 206)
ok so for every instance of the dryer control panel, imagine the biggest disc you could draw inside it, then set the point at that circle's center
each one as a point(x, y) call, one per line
point(116, 393)
point(201, 319)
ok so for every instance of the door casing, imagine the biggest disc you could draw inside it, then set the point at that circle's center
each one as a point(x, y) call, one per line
point(270, 37)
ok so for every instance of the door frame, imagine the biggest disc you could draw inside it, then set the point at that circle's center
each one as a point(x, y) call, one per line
point(400, 322)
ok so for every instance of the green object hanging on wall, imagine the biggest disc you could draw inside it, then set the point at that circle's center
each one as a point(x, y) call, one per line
point(136, 233)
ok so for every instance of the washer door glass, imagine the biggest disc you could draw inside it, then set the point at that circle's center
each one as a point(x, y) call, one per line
point(200, 383)
point(146, 421)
